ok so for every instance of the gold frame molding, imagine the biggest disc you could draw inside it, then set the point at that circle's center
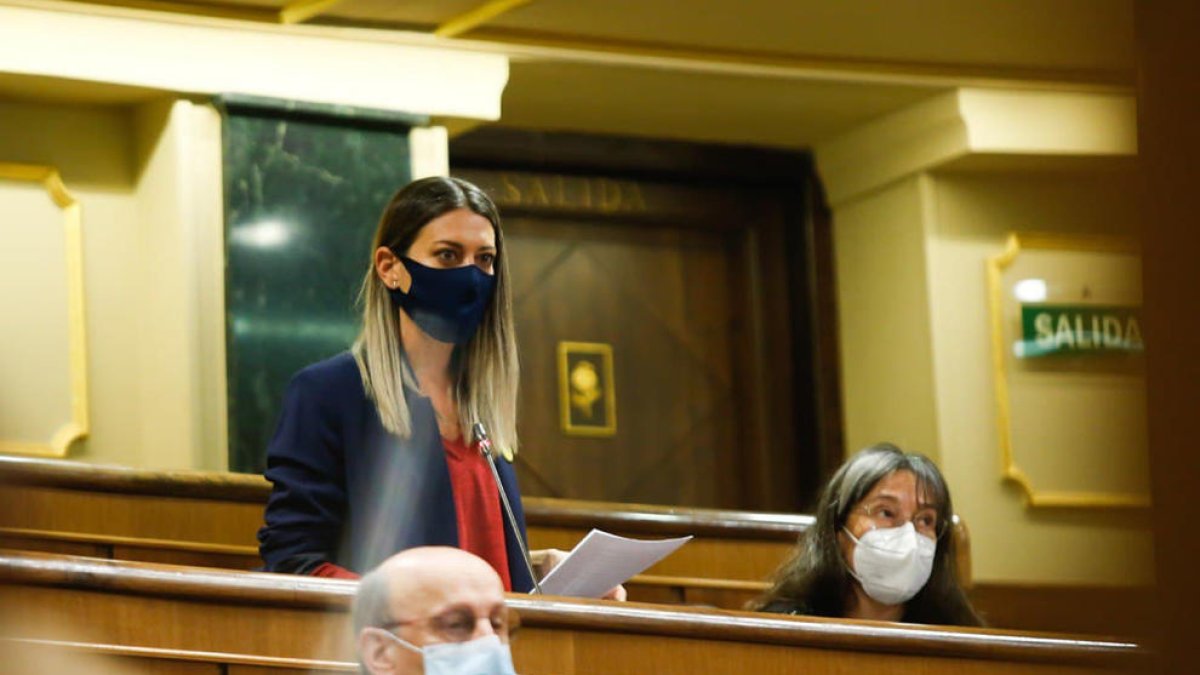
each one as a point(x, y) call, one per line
point(995, 267)
point(78, 427)
point(604, 351)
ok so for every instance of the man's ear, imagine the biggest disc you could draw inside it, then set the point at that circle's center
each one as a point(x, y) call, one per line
point(373, 650)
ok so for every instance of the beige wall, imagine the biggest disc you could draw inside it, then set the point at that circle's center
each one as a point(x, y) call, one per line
point(35, 372)
point(969, 217)
point(144, 161)
point(148, 183)
point(921, 199)
point(181, 284)
point(883, 319)
point(916, 354)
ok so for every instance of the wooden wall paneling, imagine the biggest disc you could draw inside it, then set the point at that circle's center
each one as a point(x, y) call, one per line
point(1168, 144)
point(652, 281)
point(128, 665)
point(768, 450)
point(197, 558)
point(668, 391)
point(130, 548)
point(705, 557)
point(720, 598)
point(501, 148)
point(1086, 609)
point(212, 521)
point(728, 545)
point(162, 622)
point(784, 491)
point(22, 658)
point(729, 440)
point(30, 656)
point(751, 456)
point(227, 487)
point(49, 544)
point(728, 561)
point(661, 634)
point(544, 651)
point(715, 593)
point(243, 669)
point(817, 364)
point(65, 515)
point(595, 655)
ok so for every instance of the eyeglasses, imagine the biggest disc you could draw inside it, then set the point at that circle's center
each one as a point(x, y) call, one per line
point(886, 515)
point(458, 624)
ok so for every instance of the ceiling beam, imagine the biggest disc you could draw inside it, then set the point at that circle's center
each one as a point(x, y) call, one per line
point(299, 11)
point(474, 18)
point(538, 45)
point(214, 11)
point(204, 57)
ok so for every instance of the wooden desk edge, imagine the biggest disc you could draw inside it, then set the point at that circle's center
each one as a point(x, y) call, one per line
point(539, 511)
point(201, 584)
point(182, 654)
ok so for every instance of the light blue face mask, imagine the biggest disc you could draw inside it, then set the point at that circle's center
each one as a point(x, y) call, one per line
point(481, 656)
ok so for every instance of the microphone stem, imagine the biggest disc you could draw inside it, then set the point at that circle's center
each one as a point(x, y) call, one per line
point(512, 520)
point(485, 447)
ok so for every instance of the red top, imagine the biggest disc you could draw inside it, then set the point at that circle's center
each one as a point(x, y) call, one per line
point(477, 503)
point(331, 571)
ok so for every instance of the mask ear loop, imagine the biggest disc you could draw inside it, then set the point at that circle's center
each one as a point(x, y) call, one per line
point(402, 642)
point(846, 563)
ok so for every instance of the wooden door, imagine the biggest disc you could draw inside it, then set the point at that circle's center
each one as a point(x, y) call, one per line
point(661, 297)
point(689, 284)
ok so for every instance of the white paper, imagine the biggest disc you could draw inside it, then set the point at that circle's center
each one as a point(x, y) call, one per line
point(602, 560)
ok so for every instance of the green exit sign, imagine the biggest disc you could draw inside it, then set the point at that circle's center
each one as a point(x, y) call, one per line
point(1079, 330)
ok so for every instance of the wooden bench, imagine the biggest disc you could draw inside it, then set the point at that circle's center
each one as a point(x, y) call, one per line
point(210, 519)
point(256, 622)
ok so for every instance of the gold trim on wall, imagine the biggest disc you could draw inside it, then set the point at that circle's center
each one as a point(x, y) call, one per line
point(995, 268)
point(77, 428)
point(608, 394)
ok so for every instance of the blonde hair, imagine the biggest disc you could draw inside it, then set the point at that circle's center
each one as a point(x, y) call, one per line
point(485, 371)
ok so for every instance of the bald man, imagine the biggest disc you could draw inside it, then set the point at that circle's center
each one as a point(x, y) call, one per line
point(432, 610)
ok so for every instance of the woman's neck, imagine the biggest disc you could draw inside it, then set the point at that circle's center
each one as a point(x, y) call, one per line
point(863, 606)
point(429, 358)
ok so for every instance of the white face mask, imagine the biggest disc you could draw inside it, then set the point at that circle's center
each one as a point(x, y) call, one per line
point(892, 564)
point(481, 656)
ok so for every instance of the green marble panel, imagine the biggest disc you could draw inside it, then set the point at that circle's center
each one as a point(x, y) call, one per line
point(303, 193)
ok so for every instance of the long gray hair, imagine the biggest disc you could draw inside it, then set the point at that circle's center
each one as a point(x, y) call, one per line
point(485, 370)
point(816, 579)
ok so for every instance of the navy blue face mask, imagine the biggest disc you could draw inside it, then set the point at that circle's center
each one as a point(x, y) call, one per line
point(448, 304)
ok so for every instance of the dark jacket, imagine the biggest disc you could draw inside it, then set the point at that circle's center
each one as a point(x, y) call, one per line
point(348, 492)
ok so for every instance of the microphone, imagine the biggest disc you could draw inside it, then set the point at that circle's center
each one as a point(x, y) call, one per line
point(485, 449)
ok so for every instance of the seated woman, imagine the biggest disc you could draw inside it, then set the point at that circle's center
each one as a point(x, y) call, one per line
point(880, 547)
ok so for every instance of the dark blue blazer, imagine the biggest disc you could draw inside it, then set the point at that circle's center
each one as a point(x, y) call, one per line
point(348, 492)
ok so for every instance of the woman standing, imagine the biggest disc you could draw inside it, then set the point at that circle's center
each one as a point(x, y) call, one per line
point(374, 452)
